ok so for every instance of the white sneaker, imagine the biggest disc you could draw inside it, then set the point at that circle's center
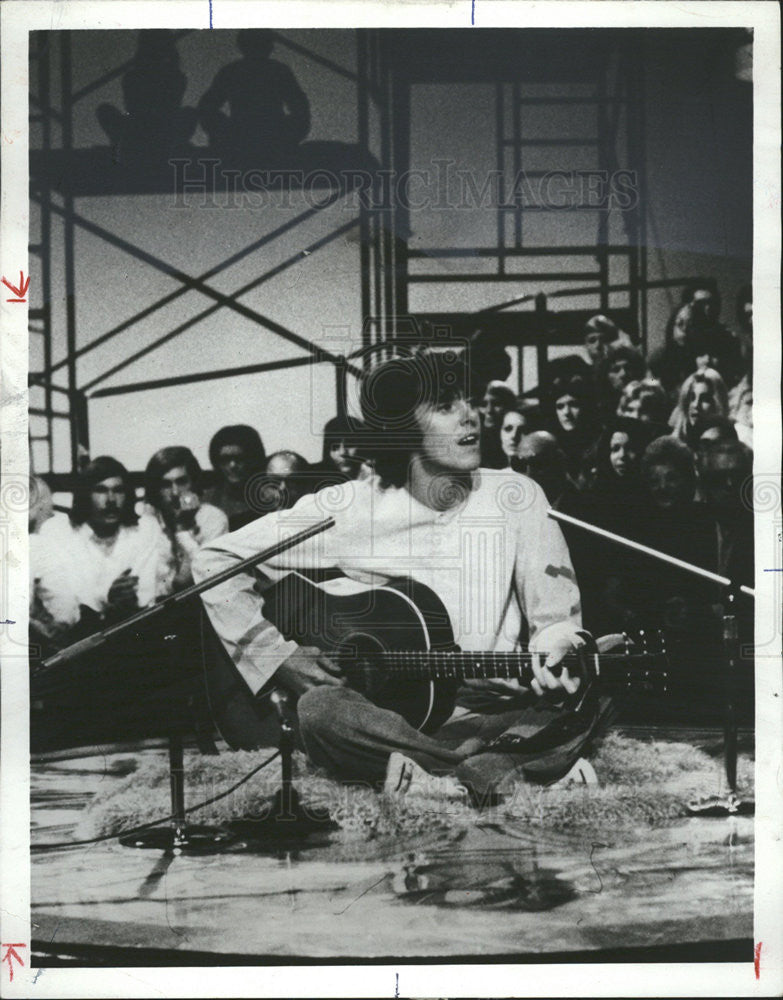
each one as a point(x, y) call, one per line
point(582, 773)
point(405, 777)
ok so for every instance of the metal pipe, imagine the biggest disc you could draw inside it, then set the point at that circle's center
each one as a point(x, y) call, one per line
point(705, 574)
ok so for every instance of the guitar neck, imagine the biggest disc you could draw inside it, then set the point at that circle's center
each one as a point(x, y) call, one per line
point(446, 665)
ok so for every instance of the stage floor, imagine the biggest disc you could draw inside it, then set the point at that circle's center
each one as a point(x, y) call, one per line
point(683, 891)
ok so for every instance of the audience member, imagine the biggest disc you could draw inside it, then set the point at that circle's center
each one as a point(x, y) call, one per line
point(541, 457)
point(620, 366)
point(571, 418)
point(674, 362)
point(712, 430)
point(744, 325)
point(646, 401)
point(287, 479)
point(642, 593)
point(172, 488)
point(497, 400)
point(236, 453)
point(601, 333)
point(104, 562)
point(721, 344)
point(741, 409)
point(340, 458)
point(512, 427)
point(612, 479)
point(702, 394)
point(41, 504)
point(724, 469)
point(488, 361)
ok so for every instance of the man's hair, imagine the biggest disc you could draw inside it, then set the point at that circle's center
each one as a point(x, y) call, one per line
point(346, 429)
point(161, 463)
point(100, 468)
point(640, 436)
point(634, 357)
point(701, 284)
point(502, 394)
point(651, 390)
point(728, 432)
point(390, 394)
point(670, 451)
point(733, 449)
point(603, 325)
point(247, 438)
point(297, 462)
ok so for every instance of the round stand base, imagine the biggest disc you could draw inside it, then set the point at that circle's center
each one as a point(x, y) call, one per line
point(186, 839)
point(285, 822)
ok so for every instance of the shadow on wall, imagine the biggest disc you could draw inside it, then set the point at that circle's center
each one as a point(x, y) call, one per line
point(254, 113)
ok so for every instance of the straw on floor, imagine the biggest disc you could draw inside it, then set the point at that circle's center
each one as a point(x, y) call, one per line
point(641, 782)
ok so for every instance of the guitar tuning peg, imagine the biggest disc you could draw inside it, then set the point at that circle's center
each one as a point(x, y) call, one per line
point(627, 643)
point(643, 639)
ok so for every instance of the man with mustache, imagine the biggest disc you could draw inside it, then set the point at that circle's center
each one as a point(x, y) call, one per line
point(102, 563)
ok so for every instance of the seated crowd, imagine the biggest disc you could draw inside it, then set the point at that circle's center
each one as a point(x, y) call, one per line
point(654, 449)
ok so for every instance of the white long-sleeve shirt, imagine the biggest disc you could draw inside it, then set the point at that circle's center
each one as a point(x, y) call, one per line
point(72, 566)
point(209, 522)
point(493, 559)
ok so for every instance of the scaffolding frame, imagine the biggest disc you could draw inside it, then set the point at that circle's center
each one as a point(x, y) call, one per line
point(384, 86)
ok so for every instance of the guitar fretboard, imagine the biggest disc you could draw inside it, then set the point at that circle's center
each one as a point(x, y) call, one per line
point(459, 665)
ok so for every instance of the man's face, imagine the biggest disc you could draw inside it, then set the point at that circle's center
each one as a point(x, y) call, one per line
point(722, 477)
point(491, 409)
point(233, 464)
point(282, 487)
point(107, 499)
point(538, 460)
point(450, 435)
point(174, 484)
point(342, 456)
point(705, 304)
point(597, 344)
point(682, 325)
point(668, 487)
point(619, 374)
point(568, 411)
point(511, 432)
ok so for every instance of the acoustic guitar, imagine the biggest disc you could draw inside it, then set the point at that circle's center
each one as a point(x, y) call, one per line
point(396, 646)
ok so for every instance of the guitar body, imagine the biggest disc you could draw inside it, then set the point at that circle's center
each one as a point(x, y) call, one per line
point(353, 622)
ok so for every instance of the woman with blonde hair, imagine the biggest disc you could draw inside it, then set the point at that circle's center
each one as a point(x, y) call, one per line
point(645, 400)
point(703, 394)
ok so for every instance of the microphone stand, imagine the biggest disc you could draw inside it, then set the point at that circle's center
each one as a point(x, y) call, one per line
point(731, 804)
point(181, 836)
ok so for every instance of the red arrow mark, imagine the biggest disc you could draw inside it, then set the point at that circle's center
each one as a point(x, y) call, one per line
point(21, 291)
point(10, 955)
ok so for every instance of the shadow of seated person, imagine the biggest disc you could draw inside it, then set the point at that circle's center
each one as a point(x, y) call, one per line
point(153, 125)
point(268, 114)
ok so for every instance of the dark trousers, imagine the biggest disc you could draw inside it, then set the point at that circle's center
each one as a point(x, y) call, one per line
point(352, 739)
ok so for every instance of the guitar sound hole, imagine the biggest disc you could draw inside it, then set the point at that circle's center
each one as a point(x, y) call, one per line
point(361, 664)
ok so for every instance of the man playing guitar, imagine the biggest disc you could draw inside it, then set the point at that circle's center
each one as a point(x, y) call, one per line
point(478, 538)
